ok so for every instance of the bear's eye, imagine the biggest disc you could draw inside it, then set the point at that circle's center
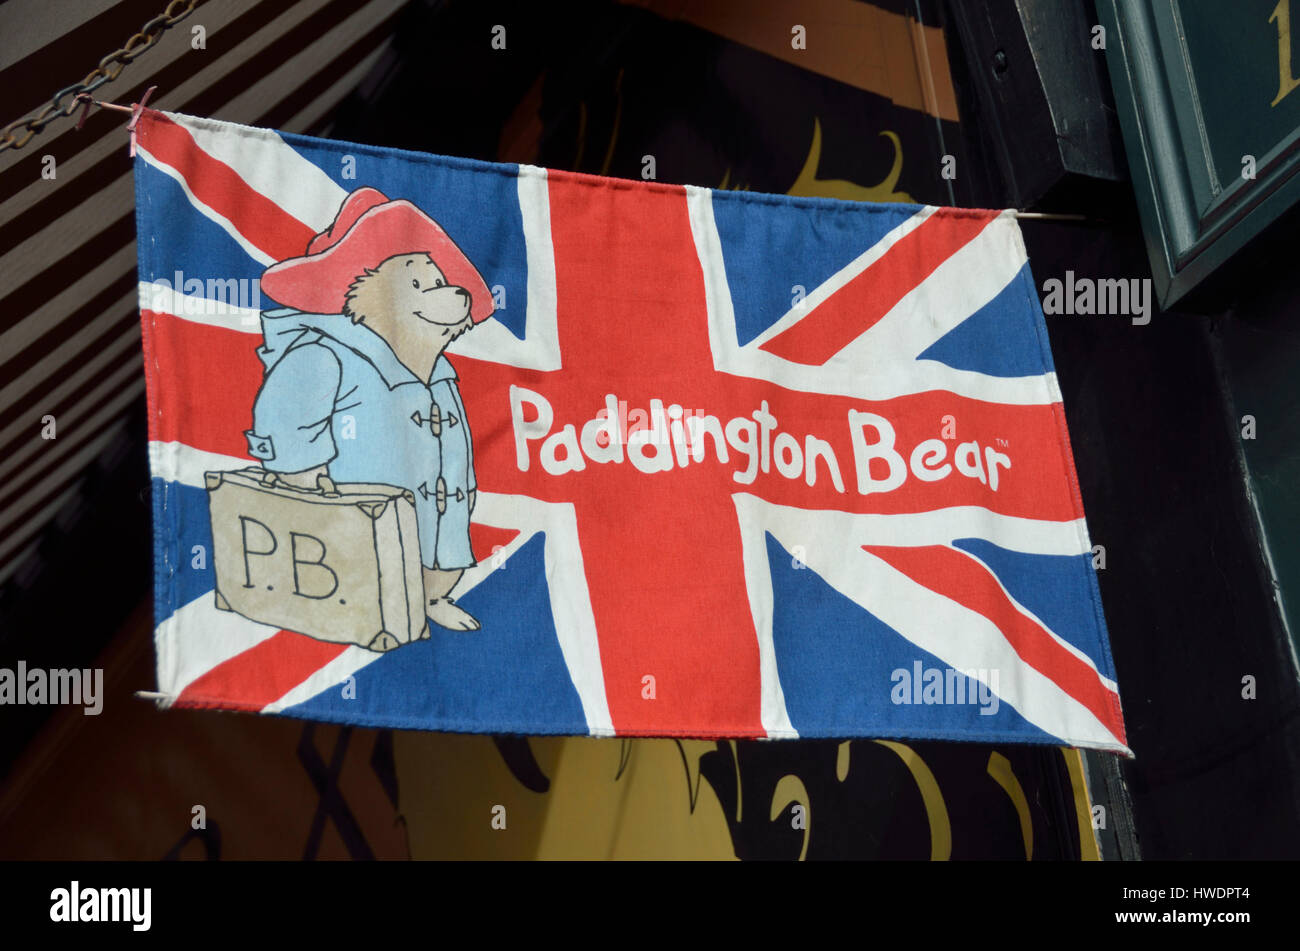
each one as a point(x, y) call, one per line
point(437, 282)
point(415, 284)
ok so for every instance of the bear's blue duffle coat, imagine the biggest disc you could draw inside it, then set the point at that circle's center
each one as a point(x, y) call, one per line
point(334, 392)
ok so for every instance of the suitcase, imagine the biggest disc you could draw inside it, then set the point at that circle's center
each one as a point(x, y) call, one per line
point(340, 566)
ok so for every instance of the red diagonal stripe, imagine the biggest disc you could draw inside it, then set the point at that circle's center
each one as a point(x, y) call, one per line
point(856, 307)
point(485, 540)
point(221, 374)
point(262, 222)
point(261, 674)
point(957, 576)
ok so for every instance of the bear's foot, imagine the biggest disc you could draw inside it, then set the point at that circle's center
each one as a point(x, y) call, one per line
point(446, 613)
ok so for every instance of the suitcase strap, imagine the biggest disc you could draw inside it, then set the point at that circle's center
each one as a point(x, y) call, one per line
point(324, 484)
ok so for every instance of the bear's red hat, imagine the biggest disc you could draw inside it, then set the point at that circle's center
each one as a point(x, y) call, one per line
point(367, 230)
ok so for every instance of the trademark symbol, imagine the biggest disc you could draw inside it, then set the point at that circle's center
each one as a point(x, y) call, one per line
point(1003, 443)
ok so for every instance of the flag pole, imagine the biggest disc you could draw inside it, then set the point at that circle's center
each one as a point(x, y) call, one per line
point(163, 699)
point(1050, 216)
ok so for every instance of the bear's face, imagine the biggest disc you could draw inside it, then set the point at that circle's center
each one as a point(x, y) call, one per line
point(408, 302)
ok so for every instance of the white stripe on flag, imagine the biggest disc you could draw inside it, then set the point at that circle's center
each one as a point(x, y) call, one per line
point(975, 274)
point(965, 640)
point(873, 374)
point(842, 277)
point(177, 462)
point(164, 299)
point(256, 253)
point(269, 165)
point(540, 348)
point(332, 675)
point(773, 713)
point(199, 637)
point(566, 579)
point(1106, 681)
point(962, 638)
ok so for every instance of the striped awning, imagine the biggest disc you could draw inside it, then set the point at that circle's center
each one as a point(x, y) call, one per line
point(69, 323)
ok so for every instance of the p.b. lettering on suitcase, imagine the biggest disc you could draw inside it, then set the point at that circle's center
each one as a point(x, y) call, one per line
point(341, 565)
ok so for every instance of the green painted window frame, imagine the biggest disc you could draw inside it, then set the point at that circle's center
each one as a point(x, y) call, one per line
point(1192, 223)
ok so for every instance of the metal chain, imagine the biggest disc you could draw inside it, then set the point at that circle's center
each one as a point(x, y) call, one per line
point(17, 134)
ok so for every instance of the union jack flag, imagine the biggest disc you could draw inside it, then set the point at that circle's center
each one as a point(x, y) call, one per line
point(861, 493)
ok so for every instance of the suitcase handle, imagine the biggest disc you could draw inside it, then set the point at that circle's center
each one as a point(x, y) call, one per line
point(324, 484)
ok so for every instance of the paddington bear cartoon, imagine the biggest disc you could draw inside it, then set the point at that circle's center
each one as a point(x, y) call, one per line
point(357, 386)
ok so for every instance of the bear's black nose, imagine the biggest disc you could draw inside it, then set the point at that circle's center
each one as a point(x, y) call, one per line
point(462, 292)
